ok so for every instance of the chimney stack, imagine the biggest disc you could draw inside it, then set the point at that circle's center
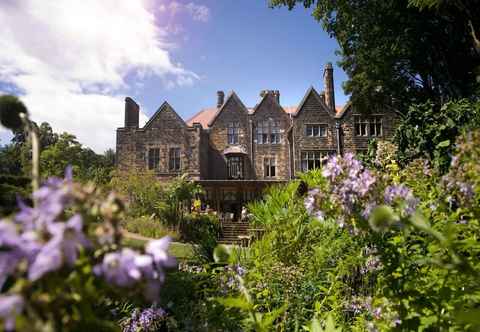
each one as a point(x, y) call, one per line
point(220, 98)
point(132, 112)
point(276, 94)
point(328, 86)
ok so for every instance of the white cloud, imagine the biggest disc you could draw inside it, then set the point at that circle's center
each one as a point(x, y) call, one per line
point(198, 12)
point(71, 58)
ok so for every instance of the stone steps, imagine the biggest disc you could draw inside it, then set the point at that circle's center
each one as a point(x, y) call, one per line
point(232, 230)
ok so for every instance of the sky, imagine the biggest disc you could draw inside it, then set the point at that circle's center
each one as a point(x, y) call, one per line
point(74, 62)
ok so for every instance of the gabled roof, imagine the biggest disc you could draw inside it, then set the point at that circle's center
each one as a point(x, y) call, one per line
point(343, 110)
point(231, 95)
point(164, 106)
point(312, 91)
point(203, 117)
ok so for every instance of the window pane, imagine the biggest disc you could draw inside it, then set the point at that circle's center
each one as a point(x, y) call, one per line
point(315, 131)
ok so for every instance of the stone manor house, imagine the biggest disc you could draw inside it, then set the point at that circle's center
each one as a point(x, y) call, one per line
point(234, 151)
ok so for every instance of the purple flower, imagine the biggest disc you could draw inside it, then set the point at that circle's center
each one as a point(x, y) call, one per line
point(401, 193)
point(309, 201)
point(15, 248)
point(368, 210)
point(144, 320)
point(332, 169)
point(119, 268)
point(159, 250)
point(10, 307)
point(52, 198)
point(67, 239)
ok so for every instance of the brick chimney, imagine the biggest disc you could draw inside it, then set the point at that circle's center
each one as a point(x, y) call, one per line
point(328, 86)
point(132, 112)
point(220, 98)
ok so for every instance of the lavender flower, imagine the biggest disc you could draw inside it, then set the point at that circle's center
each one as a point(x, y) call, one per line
point(393, 194)
point(309, 201)
point(145, 320)
point(332, 169)
point(10, 307)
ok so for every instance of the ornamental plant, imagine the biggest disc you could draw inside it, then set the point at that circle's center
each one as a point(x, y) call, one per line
point(62, 262)
point(372, 249)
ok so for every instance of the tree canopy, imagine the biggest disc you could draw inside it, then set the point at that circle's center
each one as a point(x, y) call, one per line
point(398, 53)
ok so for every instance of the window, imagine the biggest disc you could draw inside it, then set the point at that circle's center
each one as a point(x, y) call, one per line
point(268, 132)
point(316, 130)
point(153, 158)
point(269, 167)
point(232, 132)
point(361, 125)
point(376, 126)
point(314, 159)
point(174, 159)
point(235, 167)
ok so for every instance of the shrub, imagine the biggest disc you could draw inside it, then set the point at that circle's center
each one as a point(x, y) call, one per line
point(149, 227)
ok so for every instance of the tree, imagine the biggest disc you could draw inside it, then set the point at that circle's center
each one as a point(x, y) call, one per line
point(397, 54)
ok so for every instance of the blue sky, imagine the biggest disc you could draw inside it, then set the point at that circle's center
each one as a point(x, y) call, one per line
point(246, 47)
point(93, 54)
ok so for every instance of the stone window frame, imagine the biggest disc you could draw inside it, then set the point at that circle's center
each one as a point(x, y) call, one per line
point(233, 132)
point(235, 167)
point(268, 131)
point(174, 160)
point(368, 126)
point(269, 165)
point(315, 157)
point(360, 125)
point(320, 125)
point(376, 123)
point(153, 159)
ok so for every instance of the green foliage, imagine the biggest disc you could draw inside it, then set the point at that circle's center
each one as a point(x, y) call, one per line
point(148, 227)
point(12, 186)
point(177, 200)
point(202, 230)
point(429, 131)
point(399, 53)
point(142, 191)
point(403, 272)
point(87, 165)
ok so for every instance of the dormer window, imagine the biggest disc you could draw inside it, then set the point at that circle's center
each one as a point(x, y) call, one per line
point(233, 130)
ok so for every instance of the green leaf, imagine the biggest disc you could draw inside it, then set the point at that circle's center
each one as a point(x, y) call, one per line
point(235, 302)
point(443, 144)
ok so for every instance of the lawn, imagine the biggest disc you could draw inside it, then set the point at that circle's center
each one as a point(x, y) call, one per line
point(182, 251)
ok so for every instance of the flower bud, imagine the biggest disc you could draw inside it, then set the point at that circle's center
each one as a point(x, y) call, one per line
point(10, 109)
point(382, 218)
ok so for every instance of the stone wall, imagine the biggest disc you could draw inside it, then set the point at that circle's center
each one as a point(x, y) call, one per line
point(359, 144)
point(232, 111)
point(270, 109)
point(203, 149)
point(165, 130)
point(313, 111)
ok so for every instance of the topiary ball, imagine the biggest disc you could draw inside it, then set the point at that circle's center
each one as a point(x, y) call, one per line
point(10, 109)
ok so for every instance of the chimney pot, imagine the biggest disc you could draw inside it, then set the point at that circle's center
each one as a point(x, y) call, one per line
point(276, 94)
point(220, 98)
